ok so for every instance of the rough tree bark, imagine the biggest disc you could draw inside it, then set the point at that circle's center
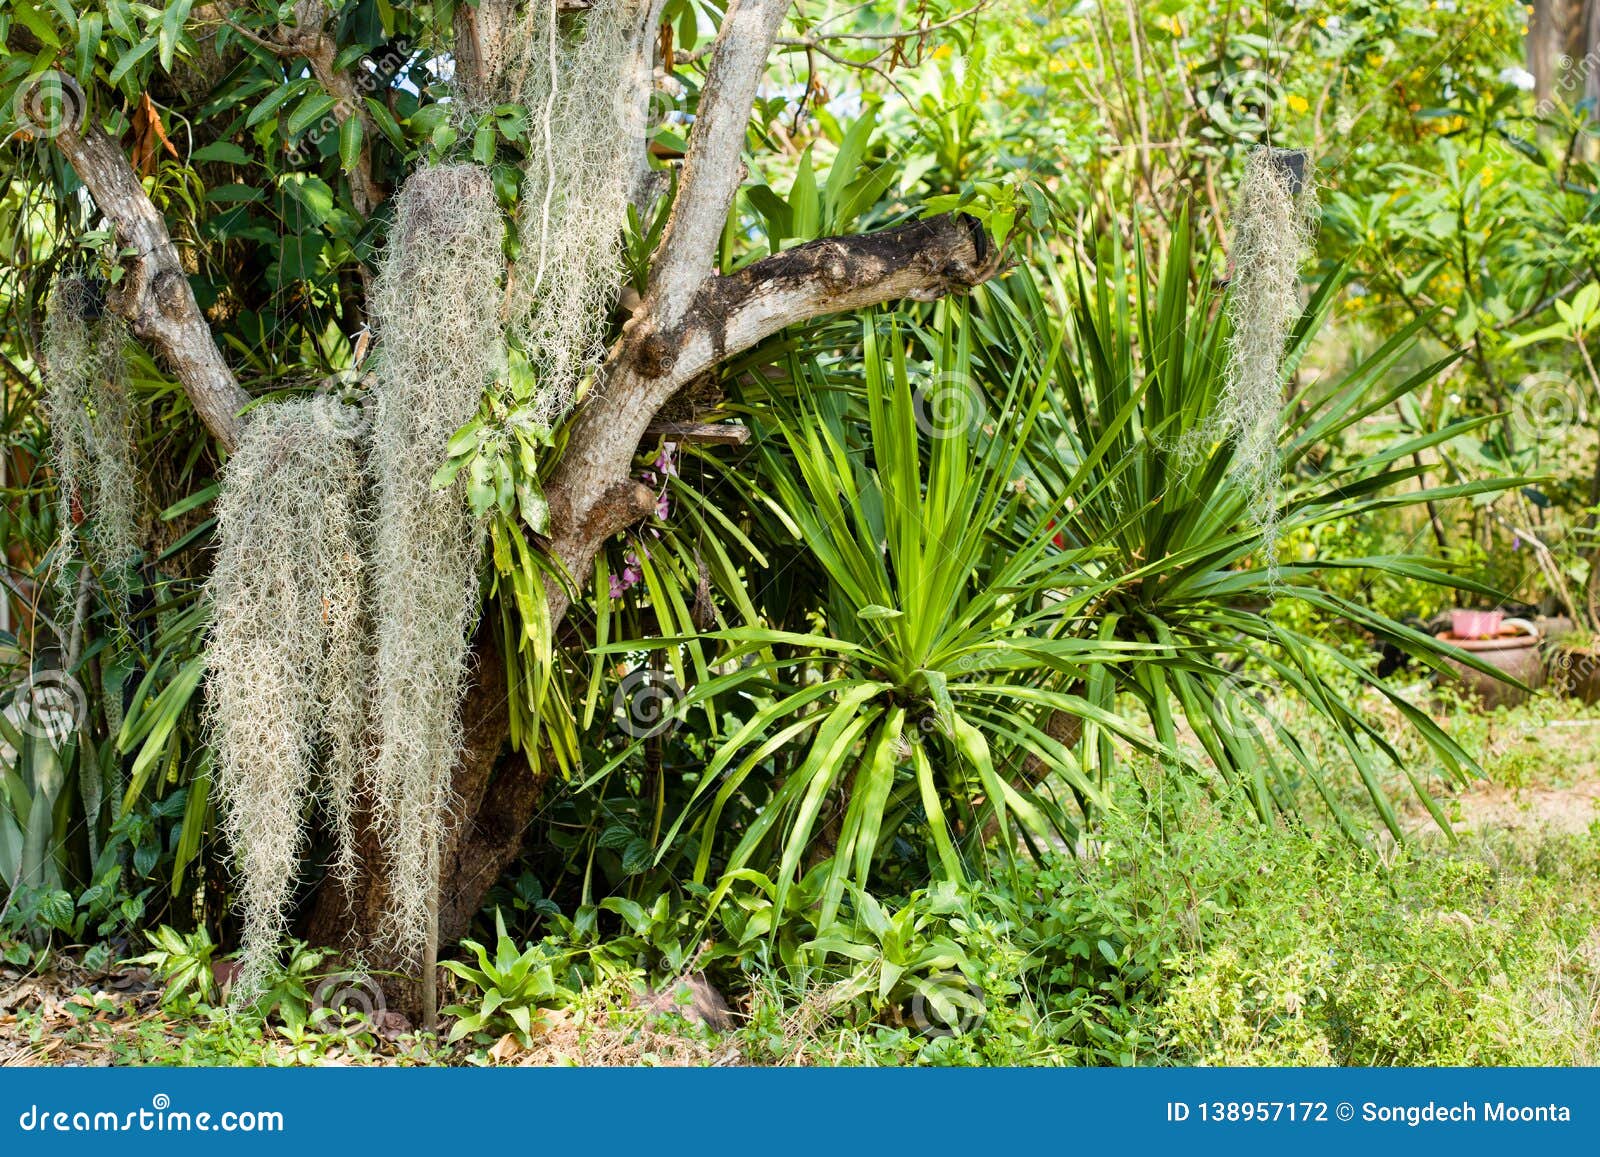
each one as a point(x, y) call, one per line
point(690, 320)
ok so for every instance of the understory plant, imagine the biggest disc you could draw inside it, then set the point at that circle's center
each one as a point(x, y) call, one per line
point(1026, 520)
point(511, 987)
point(939, 651)
point(1188, 939)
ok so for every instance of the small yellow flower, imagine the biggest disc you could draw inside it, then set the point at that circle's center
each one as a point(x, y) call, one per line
point(1298, 103)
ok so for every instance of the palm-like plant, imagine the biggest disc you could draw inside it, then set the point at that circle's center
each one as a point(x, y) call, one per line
point(1146, 372)
point(998, 590)
point(939, 649)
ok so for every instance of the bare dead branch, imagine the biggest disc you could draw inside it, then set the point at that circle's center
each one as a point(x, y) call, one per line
point(699, 433)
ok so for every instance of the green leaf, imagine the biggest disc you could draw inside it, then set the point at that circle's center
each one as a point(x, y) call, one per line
point(300, 254)
point(172, 18)
point(129, 60)
point(873, 612)
point(483, 143)
point(224, 152)
point(350, 143)
point(386, 123)
point(315, 106)
point(271, 104)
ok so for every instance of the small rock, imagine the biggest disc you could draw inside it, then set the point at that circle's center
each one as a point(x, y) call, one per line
point(390, 1024)
point(693, 998)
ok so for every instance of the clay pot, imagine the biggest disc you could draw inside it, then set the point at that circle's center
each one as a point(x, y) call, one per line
point(1514, 650)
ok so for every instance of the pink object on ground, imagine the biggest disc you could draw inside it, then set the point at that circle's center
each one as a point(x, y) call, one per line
point(1475, 624)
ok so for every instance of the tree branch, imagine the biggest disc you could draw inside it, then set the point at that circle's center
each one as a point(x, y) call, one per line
point(712, 169)
point(592, 495)
point(309, 38)
point(154, 294)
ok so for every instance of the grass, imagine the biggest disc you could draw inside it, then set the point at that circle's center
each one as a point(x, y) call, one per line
point(1178, 937)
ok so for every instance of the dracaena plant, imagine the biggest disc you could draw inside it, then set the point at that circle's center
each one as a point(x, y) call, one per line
point(1183, 562)
point(940, 649)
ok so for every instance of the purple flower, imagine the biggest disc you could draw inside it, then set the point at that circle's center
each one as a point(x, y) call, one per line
point(616, 587)
point(666, 461)
point(663, 506)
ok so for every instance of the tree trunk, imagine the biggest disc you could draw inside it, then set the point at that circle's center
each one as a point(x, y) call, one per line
point(496, 794)
point(1561, 34)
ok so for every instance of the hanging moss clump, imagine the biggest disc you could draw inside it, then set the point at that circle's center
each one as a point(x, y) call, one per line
point(1274, 219)
point(583, 160)
point(434, 312)
point(285, 656)
point(91, 426)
